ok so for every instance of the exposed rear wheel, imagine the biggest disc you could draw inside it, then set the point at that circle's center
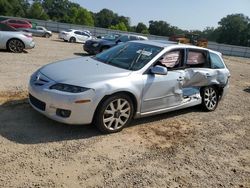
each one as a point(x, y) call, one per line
point(15, 45)
point(114, 113)
point(210, 98)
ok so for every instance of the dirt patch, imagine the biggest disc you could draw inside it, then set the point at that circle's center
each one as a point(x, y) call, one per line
point(186, 148)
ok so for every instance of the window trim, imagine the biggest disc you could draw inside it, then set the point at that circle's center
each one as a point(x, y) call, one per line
point(181, 67)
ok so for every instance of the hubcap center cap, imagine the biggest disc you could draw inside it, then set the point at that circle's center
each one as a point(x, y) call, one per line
point(117, 114)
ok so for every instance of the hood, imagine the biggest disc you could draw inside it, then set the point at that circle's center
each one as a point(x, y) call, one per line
point(81, 71)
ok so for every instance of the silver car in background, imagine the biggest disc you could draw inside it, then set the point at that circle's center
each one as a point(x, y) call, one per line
point(13, 40)
point(131, 80)
point(38, 31)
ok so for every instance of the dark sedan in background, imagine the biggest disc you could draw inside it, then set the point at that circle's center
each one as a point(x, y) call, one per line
point(98, 45)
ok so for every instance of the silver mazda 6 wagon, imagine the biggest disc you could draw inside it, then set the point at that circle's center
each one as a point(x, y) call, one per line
point(132, 80)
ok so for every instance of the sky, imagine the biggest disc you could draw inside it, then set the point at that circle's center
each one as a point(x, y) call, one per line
point(185, 14)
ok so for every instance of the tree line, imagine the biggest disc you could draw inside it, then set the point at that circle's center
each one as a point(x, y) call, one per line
point(233, 29)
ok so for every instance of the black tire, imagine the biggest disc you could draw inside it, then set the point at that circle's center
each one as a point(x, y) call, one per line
point(72, 40)
point(47, 35)
point(15, 45)
point(210, 98)
point(114, 113)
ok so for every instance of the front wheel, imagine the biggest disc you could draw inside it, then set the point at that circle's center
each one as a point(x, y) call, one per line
point(114, 113)
point(210, 98)
point(15, 45)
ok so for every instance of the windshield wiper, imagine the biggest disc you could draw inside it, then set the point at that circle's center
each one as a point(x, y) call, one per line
point(136, 59)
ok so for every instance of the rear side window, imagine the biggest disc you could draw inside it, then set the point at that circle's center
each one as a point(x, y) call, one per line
point(21, 22)
point(85, 34)
point(196, 59)
point(216, 62)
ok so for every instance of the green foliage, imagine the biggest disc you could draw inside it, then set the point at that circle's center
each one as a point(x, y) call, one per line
point(36, 11)
point(210, 33)
point(120, 26)
point(13, 7)
point(81, 16)
point(141, 28)
point(234, 29)
point(159, 28)
point(105, 18)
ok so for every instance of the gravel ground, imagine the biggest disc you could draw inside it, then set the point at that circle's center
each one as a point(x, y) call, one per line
point(186, 148)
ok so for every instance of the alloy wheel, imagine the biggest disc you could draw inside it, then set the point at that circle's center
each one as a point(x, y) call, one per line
point(116, 114)
point(15, 46)
point(210, 98)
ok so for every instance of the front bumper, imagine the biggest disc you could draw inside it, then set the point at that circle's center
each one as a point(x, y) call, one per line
point(81, 113)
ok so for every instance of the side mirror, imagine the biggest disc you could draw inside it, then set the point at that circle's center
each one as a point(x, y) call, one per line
point(159, 70)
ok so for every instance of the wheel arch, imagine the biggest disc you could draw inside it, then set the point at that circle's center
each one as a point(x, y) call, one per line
point(14, 39)
point(218, 88)
point(131, 96)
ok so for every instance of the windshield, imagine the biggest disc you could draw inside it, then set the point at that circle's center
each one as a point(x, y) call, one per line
point(130, 56)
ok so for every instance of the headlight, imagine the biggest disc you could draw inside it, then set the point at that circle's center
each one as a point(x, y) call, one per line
point(68, 88)
point(95, 44)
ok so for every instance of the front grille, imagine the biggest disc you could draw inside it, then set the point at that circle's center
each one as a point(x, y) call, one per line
point(37, 103)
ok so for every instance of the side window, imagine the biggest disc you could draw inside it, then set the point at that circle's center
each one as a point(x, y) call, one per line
point(133, 38)
point(123, 39)
point(20, 22)
point(12, 21)
point(216, 62)
point(172, 59)
point(78, 32)
point(85, 34)
point(196, 59)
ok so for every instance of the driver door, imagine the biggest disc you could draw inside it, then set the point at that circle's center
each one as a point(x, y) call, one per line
point(164, 91)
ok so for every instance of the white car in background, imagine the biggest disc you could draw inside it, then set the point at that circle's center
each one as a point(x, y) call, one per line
point(72, 35)
point(13, 40)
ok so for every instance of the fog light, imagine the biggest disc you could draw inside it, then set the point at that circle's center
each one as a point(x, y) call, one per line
point(63, 113)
